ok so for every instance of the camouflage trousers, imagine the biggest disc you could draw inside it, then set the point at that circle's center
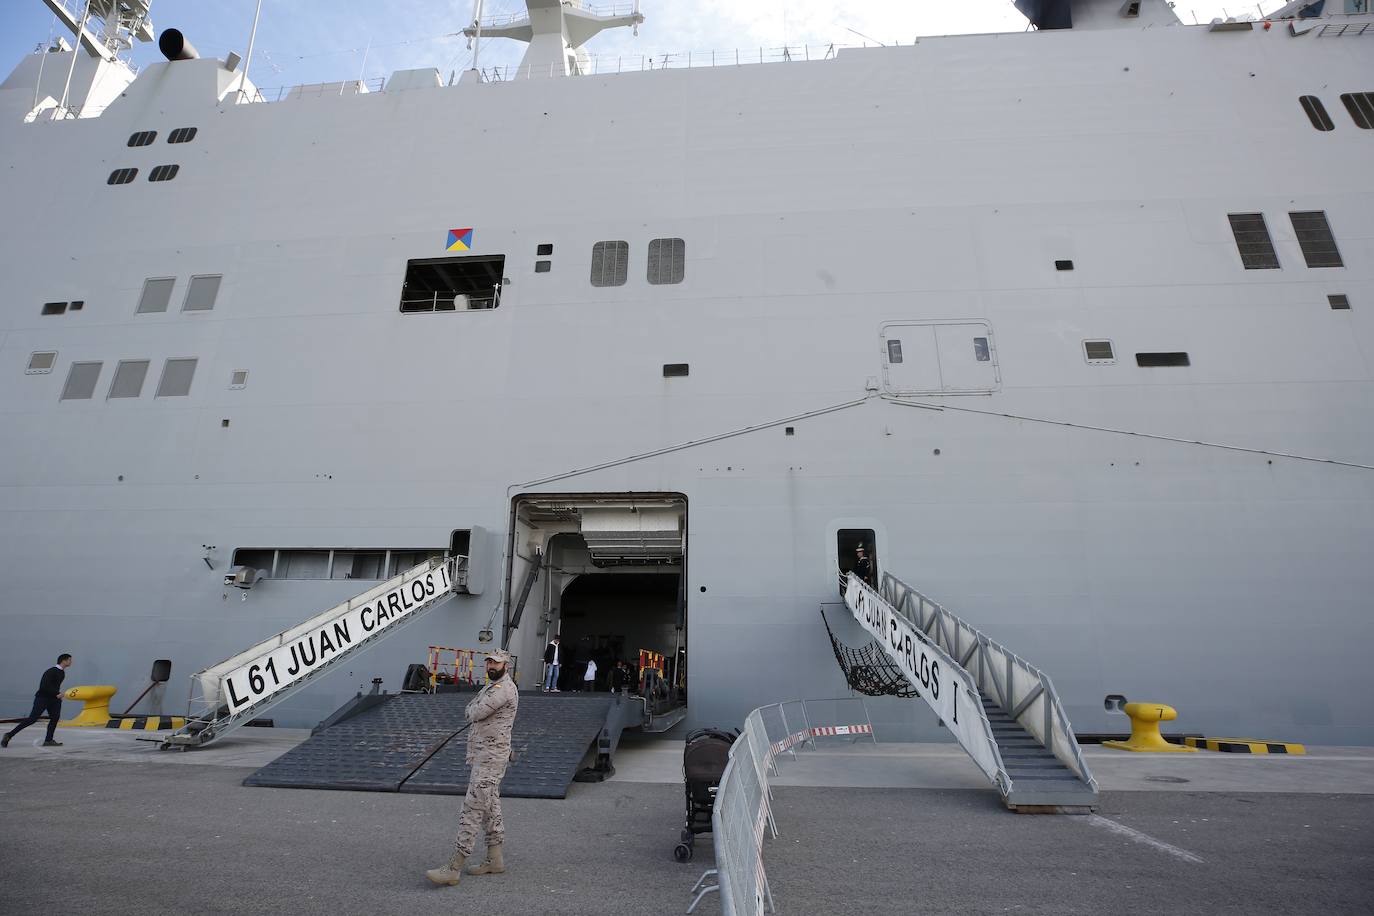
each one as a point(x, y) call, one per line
point(482, 808)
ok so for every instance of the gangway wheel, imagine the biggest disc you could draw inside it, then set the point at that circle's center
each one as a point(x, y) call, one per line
point(682, 852)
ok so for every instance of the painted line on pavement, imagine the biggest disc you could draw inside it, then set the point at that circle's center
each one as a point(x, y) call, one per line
point(1138, 837)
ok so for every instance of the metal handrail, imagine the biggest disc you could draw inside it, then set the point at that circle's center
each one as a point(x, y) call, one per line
point(984, 646)
point(743, 804)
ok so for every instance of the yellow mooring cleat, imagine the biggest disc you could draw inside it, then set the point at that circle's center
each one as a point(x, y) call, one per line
point(1145, 736)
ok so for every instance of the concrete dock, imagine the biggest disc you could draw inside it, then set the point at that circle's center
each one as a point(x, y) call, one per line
point(111, 825)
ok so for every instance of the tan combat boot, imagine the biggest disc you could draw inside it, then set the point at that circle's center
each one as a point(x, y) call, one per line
point(450, 874)
point(494, 865)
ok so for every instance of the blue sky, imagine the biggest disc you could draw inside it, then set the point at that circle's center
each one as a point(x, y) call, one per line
point(306, 41)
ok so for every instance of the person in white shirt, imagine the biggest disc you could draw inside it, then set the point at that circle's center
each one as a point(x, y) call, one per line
point(589, 679)
point(552, 660)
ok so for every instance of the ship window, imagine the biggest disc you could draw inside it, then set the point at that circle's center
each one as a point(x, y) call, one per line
point(261, 560)
point(610, 263)
point(1361, 108)
point(81, 379)
point(462, 284)
point(358, 564)
point(122, 176)
point(981, 353)
point(403, 560)
point(894, 351)
point(1314, 235)
point(544, 250)
point(847, 543)
point(142, 138)
point(128, 378)
point(41, 363)
point(157, 292)
point(1339, 301)
point(1316, 112)
point(164, 172)
point(54, 308)
point(1252, 239)
point(200, 295)
point(1099, 352)
point(1154, 360)
point(182, 135)
point(543, 267)
point(303, 564)
point(176, 378)
point(667, 261)
point(238, 378)
point(676, 370)
point(1063, 265)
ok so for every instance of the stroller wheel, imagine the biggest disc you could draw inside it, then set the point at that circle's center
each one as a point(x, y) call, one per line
point(682, 852)
point(688, 836)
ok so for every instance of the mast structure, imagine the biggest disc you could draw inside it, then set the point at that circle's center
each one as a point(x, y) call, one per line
point(555, 31)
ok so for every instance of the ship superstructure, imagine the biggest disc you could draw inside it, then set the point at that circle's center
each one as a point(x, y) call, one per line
point(1070, 329)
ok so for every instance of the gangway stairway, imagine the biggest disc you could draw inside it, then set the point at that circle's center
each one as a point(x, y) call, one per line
point(1002, 711)
point(243, 687)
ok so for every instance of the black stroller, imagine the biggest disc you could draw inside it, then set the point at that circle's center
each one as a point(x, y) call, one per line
point(703, 764)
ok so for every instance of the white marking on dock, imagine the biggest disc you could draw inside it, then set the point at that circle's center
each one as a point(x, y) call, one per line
point(1138, 837)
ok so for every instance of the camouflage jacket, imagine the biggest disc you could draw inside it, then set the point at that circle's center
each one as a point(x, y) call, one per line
point(492, 714)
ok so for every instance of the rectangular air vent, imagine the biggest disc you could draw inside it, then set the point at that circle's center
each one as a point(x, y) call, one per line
point(1063, 265)
point(54, 308)
point(1339, 301)
point(1252, 239)
point(675, 370)
point(41, 363)
point(1155, 360)
point(1099, 352)
point(1314, 236)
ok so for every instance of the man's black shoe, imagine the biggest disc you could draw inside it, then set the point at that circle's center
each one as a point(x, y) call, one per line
point(52, 743)
point(5, 741)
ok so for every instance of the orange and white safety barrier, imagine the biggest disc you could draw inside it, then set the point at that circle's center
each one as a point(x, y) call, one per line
point(820, 731)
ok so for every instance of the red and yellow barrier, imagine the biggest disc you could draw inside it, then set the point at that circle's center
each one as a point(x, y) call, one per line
point(448, 665)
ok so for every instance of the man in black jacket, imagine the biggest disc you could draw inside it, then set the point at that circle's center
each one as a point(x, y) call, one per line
point(48, 699)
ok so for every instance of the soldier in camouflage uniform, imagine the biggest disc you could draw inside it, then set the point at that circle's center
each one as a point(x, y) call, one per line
point(491, 714)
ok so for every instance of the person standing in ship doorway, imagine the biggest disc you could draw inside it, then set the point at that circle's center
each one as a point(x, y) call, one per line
point(863, 566)
point(492, 714)
point(48, 698)
point(552, 662)
point(589, 677)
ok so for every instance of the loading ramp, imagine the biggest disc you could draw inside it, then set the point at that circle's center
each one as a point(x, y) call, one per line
point(417, 743)
point(1004, 712)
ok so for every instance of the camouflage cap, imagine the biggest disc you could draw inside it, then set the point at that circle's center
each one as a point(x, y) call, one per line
point(498, 655)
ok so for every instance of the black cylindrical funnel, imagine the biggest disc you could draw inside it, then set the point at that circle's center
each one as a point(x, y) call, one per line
point(174, 45)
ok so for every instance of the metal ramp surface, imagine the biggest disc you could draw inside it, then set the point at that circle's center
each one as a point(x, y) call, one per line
point(416, 743)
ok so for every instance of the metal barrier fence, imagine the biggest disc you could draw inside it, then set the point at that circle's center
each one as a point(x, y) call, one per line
point(743, 809)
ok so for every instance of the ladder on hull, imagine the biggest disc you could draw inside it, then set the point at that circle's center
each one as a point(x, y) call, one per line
point(1002, 711)
point(241, 688)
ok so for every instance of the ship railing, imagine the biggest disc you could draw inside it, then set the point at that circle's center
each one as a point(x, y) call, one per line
point(449, 301)
point(1346, 29)
point(1022, 690)
point(607, 65)
point(318, 90)
point(616, 9)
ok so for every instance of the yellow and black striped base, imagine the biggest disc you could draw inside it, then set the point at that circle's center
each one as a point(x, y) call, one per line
point(147, 723)
point(1244, 746)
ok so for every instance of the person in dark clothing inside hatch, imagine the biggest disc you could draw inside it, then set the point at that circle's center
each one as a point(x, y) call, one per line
point(48, 698)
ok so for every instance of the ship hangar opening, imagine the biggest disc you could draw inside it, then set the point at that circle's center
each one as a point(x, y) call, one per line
point(605, 572)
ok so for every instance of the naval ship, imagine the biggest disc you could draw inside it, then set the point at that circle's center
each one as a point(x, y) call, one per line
point(1070, 329)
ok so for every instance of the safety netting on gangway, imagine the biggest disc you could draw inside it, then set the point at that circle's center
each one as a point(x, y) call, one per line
point(868, 670)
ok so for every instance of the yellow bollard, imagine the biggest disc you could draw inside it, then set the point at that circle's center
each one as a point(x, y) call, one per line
point(96, 712)
point(1145, 736)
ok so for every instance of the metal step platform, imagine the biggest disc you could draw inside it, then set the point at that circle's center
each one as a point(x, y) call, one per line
point(417, 743)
